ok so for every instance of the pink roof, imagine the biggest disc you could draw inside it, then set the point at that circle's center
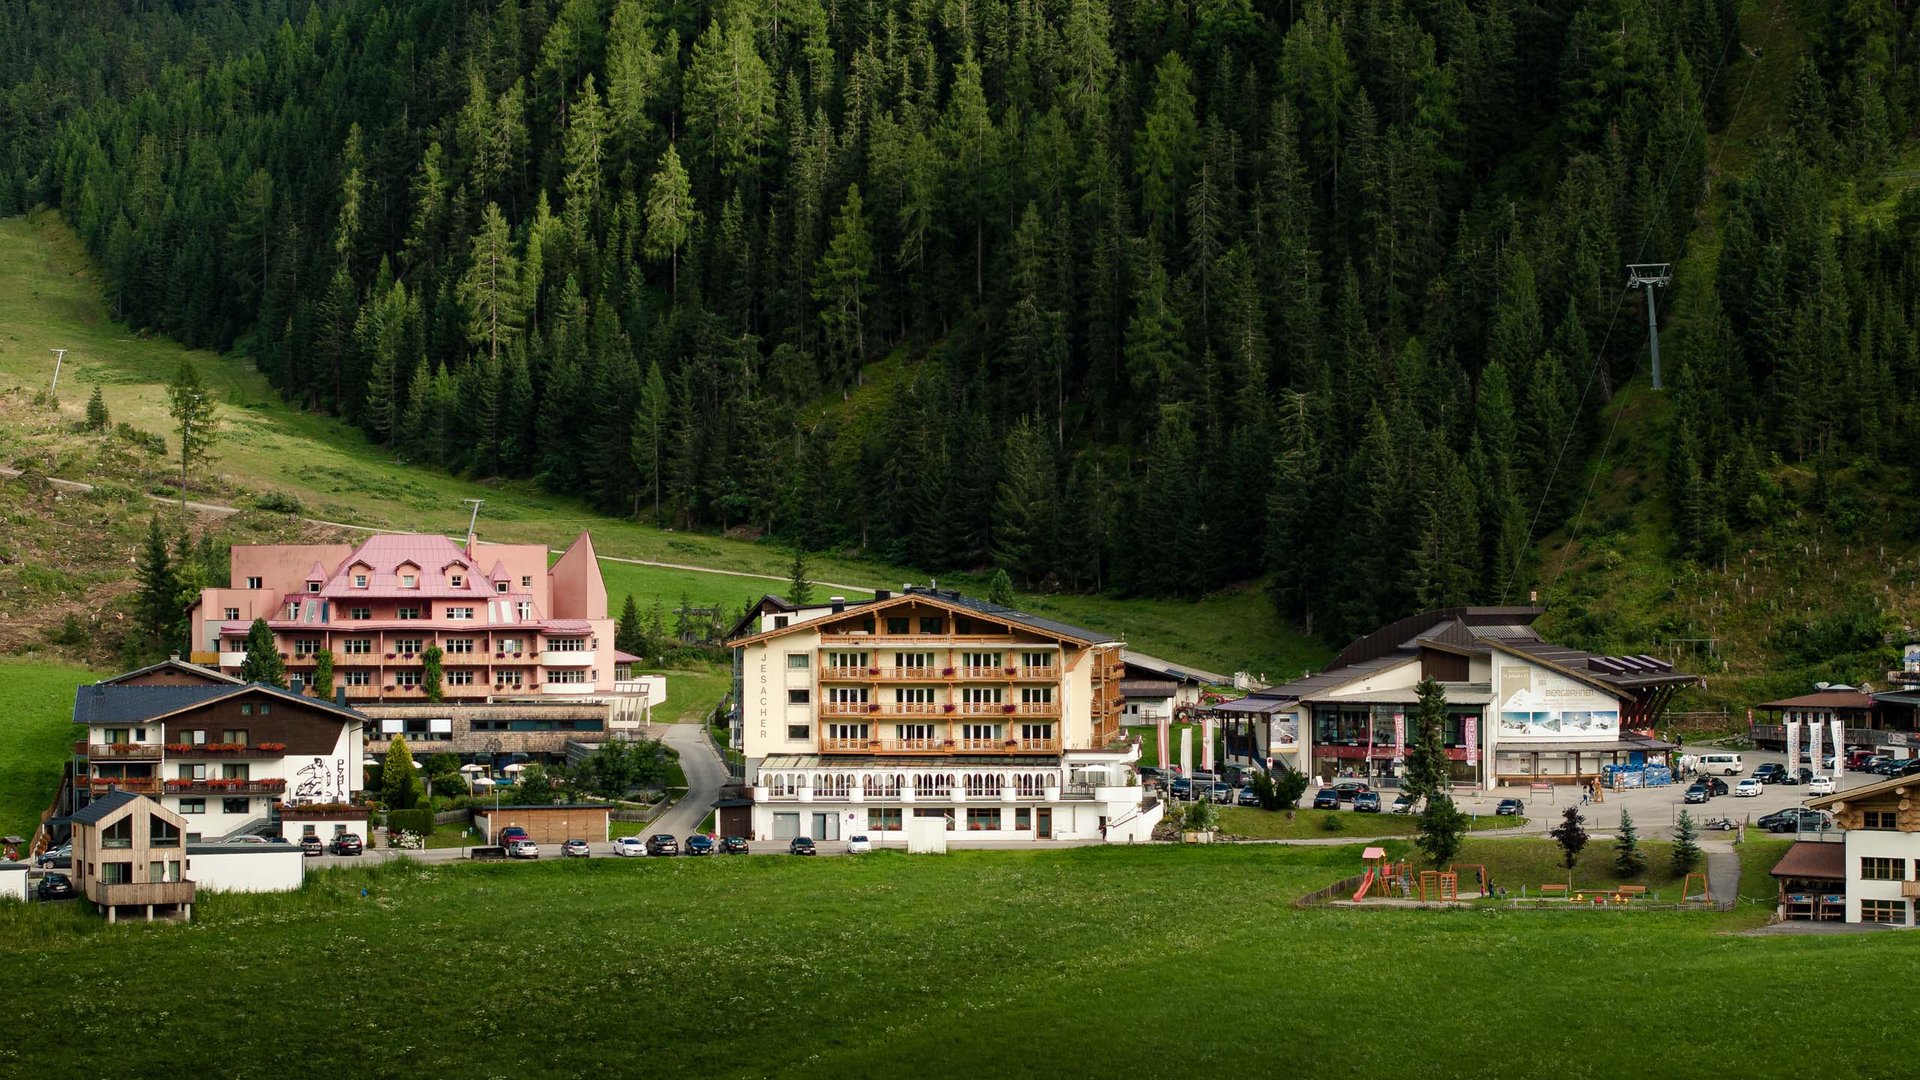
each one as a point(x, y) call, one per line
point(620, 657)
point(568, 626)
point(429, 556)
point(318, 573)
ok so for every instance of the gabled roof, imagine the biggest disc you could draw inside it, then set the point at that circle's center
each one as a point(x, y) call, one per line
point(174, 663)
point(1167, 669)
point(385, 555)
point(1890, 786)
point(1845, 697)
point(1818, 859)
point(953, 601)
point(318, 573)
point(100, 703)
point(102, 808)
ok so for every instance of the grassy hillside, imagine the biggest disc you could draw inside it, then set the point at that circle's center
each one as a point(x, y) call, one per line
point(1133, 960)
point(36, 736)
point(48, 299)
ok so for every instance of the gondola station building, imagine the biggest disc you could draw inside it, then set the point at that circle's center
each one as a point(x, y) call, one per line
point(932, 710)
point(1520, 709)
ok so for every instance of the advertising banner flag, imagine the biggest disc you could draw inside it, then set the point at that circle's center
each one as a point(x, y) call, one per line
point(1165, 759)
point(1473, 739)
point(1793, 744)
point(1186, 751)
point(1839, 750)
point(1206, 744)
point(1399, 736)
point(1813, 743)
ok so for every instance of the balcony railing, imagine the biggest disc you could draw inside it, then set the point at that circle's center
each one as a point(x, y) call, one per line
point(881, 708)
point(1910, 889)
point(119, 751)
point(567, 658)
point(226, 750)
point(140, 785)
point(916, 639)
point(1017, 672)
point(218, 786)
point(832, 745)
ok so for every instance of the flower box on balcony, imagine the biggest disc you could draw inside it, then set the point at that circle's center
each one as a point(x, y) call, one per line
point(1008, 708)
point(499, 655)
point(873, 707)
point(283, 656)
point(389, 656)
point(517, 653)
point(179, 748)
point(273, 747)
point(948, 672)
point(946, 742)
point(949, 707)
point(389, 686)
point(873, 671)
point(1011, 670)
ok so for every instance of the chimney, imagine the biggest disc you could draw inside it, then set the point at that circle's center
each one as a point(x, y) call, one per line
point(1533, 596)
point(340, 695)
point(883, 594)
point(174, 657)
point(839, 603)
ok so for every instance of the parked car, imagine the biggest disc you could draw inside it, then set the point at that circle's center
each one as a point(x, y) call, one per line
point(1218, 791)
point(1770, 773)
point(1697, 793)
point(511, 835)
point(1768, 821)
point(1347, 789)
point(312, 845)
point(1367, 802)
point(1748, 788)
point(347, 844)
point(575, 849)
point(699, 844)
point(733, 845)
point(1800, 776)
point(629, 847)
point(1247, 797)
point(1857, 758)
point(858, 845)
point(662, 844)
point(55, 887)
point(1404, 804)
point(1326, 799)
point(245, 838)
point(801, 845)
point(52, 856)
point(1906, 768)
point(1802, 820)
point(1820, 785)
point(1892, 766)
point(1510, 808)
point(523, 849)
point(1153, 774)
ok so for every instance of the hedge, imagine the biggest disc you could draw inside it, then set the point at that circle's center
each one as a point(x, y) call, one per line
point(418, 822)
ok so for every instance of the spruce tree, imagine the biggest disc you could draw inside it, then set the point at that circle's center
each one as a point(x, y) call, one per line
point(157, 597)
point(1628, 860)
point(1686, 846)
point(96, 411)
point(1427, 771)
point(399, 786)
point(799, 589)
point(1000, 590)
point(843, 285)
point(670, 215)
point(262, 663)
point(192, 407)
point(1571, 835)
point(628, 635)
point(1442, 829)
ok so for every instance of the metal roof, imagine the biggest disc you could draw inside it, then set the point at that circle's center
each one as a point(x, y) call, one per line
point(1037, 622)
point(102, 808)
point(174, 663)
point(1822, 860)
point(872, 761)
point(1825, 699)
point(100, 703)
point(1171, 670)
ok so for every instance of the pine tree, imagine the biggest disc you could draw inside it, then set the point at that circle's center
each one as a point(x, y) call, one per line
point(1442, 830)
point(842, 285)
point(262, 663)
point(650, 434)
point(1628, 860)
point(1024, 505)
point(1686, 846)
point(489, 291)
point(1167, 146)
point(191, 405)
point(157, 596)
point(629, 635)
point(97, 419)
point(670, 214)
point(1427, 772)
point(799, 589)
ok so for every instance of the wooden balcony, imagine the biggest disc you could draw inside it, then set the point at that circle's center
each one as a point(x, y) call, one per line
point(141, 785)
point(830, 745)
point(120, 751)
point(882, 709)
point(140, 893)
point(1910, 890)
point(914, 640)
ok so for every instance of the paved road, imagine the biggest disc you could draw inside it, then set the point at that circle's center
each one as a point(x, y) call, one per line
point(706, 775)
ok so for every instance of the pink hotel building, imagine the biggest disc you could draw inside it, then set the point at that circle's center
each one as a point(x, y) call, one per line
point(507, 624)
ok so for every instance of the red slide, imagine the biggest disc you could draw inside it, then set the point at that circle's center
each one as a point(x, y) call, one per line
point(1365, 884)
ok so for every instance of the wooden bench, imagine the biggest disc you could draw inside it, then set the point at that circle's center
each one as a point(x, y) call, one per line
point(1553, 890)
point(1630, 890)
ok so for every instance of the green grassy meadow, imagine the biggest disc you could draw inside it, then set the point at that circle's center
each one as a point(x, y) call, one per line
point(1256, 824)
point(36, 736)
point(1091, 962)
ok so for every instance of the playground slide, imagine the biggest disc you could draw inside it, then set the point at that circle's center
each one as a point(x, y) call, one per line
point(1365, 884)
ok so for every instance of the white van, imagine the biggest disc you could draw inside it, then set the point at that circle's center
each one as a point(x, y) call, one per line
point(1727, 764)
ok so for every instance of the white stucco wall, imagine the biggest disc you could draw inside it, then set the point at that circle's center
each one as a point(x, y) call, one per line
point(246, 868)
point(1875, 843)
point(13, 882)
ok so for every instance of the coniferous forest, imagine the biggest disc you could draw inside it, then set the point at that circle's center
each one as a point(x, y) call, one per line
point(1171, 294)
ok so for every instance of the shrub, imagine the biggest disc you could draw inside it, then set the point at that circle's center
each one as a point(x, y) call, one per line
point(279, 502)
point(418, 822)
point(141, 440)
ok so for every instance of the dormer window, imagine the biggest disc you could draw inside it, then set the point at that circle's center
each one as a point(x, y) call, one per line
point(500, 587)
point(458, 581)
point(313, 586)
point(359, 581)
point(409, 581)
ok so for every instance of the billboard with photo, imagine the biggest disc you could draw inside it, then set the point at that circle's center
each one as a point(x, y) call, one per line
point(1535, 703)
